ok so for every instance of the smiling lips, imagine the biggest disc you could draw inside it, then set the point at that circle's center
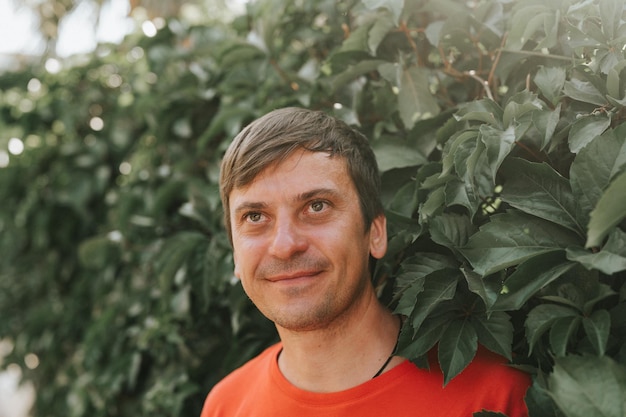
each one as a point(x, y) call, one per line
point(292, 269)
point(292, 276)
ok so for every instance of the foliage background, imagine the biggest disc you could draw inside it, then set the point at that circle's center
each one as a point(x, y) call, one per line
point(499, 129)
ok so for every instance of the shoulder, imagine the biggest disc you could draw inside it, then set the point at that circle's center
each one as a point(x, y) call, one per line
point(228, 390)
point(253, 367)
point(487, 372)
point(487, 383)
point(490, 383)
point(492, 366)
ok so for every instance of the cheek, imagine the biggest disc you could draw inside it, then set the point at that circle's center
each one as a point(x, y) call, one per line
point(244, 256)
point(237, 270)
point(237, 261)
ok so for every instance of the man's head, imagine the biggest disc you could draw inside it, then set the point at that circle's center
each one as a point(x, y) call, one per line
point(275, 136)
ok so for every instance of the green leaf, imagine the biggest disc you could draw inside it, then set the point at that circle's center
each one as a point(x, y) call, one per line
point(542, 317)
point(584, 386)
point(381, 28)
point(228, 117)
point(538, 400)
point(487, 288)
point(611, 12)
point(457, 194)
point(535, 24)
point(98, 252)
point(584, 91)
point(551, 29)
point(608, 59)
point(610, 260)
point(616, 102)
point(457, 348)
point(433, 205)
point(519, 105)
point(415, 101)
point(439, 286)
point(425, 263)
point(539, 190)
point(486, 111)
point(599, 293)
point(511, 238)
point(561, 333)
point(392, 154)
point(613, 81)
point(175, 253)
point(529, 278)
point(238, 52)
point(405, 200)
point(451, 230)
point(407, 301)
point(594, 168)
point(585, 129)
point(357, 41)
point(525, 21)
point(394, 6)
point(499, 144)
point(456, 142)
point(546, 123)
point(411, 278)
point(597, 328)
point(181, 302)
point(429, 176)
point(591, 36)
point(402, 238)
point(433, 32)
point(495, 333)
point(413, 345)
point(550, 81)
point(354, 71)
point(609, 211)
point(489, 16)
point(470, 163)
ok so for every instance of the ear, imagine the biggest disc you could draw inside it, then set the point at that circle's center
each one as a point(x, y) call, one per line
point(378, 236)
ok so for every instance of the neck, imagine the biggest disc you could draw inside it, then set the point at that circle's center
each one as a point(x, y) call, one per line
point(343, 355)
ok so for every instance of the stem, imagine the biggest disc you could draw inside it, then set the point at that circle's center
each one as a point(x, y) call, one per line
point(283, 75)
point(484, 83)
point(530, 151)
point(539, 54)
point(496, 61)
point(407, 33)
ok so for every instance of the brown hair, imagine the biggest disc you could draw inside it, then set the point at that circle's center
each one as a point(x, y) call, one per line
point(273, 137)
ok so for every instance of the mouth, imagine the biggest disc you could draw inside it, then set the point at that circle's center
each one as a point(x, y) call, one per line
point(299, 270)
point(293, 277)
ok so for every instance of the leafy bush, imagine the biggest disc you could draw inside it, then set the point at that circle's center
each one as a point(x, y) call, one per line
point(499, 129)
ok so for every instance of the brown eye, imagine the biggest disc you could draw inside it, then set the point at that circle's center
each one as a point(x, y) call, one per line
point(317, 206)
point(254, 217)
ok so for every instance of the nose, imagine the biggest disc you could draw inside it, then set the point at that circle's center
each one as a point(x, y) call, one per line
point(287, 239)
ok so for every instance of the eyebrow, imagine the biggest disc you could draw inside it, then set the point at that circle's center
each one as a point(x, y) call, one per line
point(331, 192)
point(249, 205)
point(258, 205)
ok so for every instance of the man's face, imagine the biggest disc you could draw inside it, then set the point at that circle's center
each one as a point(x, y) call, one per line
point(300, 246)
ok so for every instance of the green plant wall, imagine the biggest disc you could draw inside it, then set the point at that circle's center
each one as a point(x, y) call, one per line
point(500, 131)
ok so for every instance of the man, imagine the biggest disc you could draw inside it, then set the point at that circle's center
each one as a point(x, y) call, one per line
point(301, 195)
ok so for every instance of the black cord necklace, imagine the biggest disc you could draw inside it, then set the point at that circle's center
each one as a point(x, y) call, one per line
point(382, 368)
point(380, 371)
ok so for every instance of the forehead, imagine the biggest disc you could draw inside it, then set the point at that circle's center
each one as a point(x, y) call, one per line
point(298, 172)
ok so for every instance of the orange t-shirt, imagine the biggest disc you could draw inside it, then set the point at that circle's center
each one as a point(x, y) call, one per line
point(258, 389)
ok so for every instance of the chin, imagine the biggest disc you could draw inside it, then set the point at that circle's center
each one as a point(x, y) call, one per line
point(303, 321)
